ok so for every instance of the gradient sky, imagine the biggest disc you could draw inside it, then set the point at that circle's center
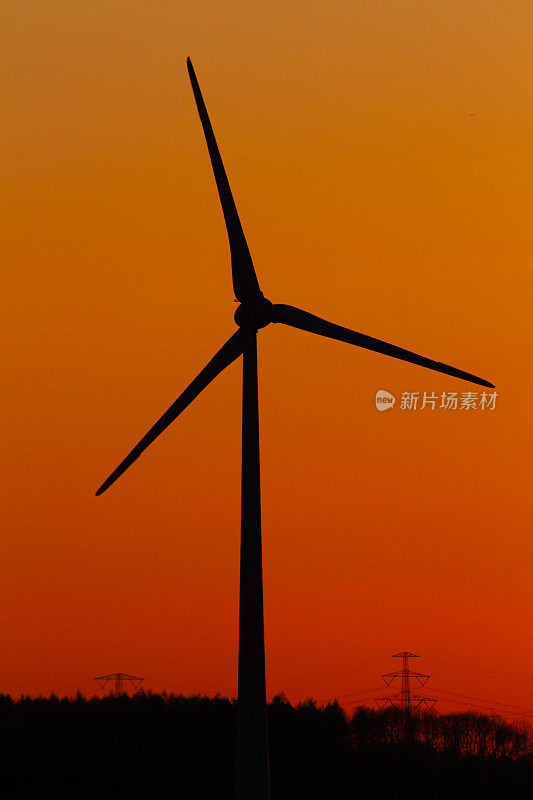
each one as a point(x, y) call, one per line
point(380, 155)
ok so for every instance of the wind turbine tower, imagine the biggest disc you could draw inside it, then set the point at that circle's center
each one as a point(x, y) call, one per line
point(253, 314)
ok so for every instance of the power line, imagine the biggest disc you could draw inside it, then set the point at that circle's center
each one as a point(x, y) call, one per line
point(495, 676)
point(484, 700)
point(352, 667)
point(463, 703)
point(357, 694)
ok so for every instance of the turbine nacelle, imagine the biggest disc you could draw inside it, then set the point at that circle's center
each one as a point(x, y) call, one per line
point(255, 313)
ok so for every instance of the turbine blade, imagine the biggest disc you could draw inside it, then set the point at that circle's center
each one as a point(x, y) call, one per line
point(245, 284)
point(225, 356)
point(297, 318)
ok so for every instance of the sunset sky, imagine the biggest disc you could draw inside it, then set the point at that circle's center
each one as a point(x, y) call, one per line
point(380, 155)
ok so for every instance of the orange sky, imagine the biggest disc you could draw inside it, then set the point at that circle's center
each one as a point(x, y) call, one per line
point(380, 156)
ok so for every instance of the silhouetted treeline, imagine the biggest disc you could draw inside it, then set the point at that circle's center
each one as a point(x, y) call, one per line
point(157, 745)
point(466, 734)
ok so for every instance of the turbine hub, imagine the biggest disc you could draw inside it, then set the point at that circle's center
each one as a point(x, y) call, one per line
point(256, 313)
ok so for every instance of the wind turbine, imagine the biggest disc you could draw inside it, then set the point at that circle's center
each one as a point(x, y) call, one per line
point(253, 313)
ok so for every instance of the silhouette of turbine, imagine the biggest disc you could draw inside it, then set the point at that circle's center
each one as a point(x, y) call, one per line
point(253, 313)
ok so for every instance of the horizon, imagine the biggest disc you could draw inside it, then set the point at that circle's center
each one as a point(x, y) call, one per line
point(447, 700)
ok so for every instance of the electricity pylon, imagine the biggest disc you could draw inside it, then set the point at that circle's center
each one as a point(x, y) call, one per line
point(119, 678)
point(405, 700)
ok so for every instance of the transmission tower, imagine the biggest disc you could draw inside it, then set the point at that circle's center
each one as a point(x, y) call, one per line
point(119, 678)
point(405, 700)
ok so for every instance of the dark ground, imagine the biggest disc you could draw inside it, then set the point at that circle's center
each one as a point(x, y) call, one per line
point(154, 746)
